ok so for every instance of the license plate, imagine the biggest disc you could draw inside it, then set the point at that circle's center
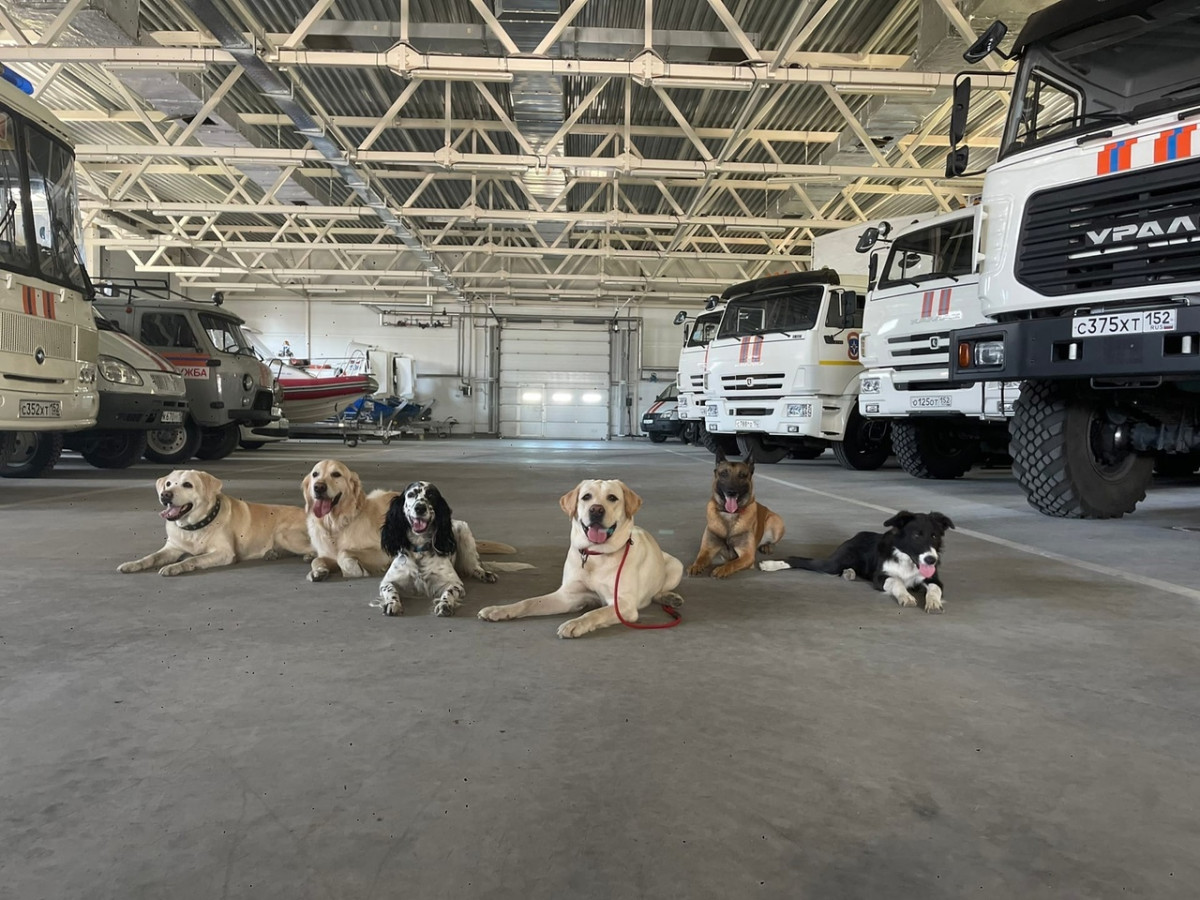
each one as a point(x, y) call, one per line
point(40, 409)
point(710, 409)
point(939, 401)
point(646, 423)
point(748, 424)
point(1149, 320)
point(171, 417)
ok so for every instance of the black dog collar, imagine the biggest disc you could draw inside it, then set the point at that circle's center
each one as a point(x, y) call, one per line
point(207, 520)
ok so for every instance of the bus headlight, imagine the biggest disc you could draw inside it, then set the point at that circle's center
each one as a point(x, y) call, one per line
point(87, 373)
point(117, 371)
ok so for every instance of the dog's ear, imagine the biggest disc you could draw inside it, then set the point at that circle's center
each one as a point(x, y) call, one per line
point(749, 461)
point(900, 519)
point(211, 483)
point(943, 521)
point(719, 456)
point(393, 536)
point(305, 487)
point(632, 501)
point(443, 523)
point(570, 500)
point(161, 483)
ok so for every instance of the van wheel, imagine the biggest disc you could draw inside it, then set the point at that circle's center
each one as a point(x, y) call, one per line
point(1066, 456)
point(866, 445)
point(934, 449)
point(688, 433)
point(218, 443)
point(252, 445)
point(8, 446)
point(173, 445)
point(113, 449)
point(760, 449)
point(34, 453)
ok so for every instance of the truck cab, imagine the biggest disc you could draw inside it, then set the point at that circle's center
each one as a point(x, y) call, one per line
point(925, 285)
point(227, 384)
point(783, 372)
point(693, 364)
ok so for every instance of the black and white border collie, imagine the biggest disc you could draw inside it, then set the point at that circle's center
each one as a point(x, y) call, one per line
point(905, 556)
point(432, 552)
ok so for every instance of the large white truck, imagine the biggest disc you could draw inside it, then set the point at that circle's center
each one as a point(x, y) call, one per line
point(783, 370)
point(925, 286)
point(48, 337)
point(1091, 250)
point(693, 363)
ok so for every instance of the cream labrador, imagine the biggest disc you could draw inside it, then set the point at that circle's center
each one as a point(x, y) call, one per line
point(207, 529)
point(344, 522)
point(602, 530)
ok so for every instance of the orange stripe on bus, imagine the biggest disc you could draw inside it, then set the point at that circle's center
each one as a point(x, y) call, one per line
point(27, 300)
point(48, 304)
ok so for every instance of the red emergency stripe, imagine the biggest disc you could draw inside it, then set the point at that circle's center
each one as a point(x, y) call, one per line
point(944, 302)
point(927, 304)
point(186, 359)
point(48, 304)
point(27, 300)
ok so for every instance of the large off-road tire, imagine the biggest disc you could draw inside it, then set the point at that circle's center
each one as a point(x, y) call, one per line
point(218, 443)
point(934, 448)
point(173, 445)
point(106, 449)
point(866, 444)
point(760, 449)
point(35, 454)
point(1056, 438)
point(657, 437)
point(725, 443)
point(690, 432)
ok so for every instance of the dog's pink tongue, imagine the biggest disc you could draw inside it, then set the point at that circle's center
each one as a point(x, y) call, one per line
point(322, 507)
point(731, 504)
point(926, 570)
point(171, 513)
point(596, 534)
point(419, 526)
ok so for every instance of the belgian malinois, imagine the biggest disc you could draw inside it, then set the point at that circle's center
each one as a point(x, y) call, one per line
point(737, 525)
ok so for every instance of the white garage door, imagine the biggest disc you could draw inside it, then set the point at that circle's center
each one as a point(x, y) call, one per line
point(554, 380)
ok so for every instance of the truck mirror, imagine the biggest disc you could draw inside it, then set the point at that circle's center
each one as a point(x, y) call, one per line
point(681, 317)
point(848, 307)
point(985, 45)
point(956, 161)
point(867, 240)
point(713, 302)
point(958, 112)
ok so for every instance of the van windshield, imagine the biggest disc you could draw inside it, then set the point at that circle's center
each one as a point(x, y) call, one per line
point(226, 334)
point(790, 309)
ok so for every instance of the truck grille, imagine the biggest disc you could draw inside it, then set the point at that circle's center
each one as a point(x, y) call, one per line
point(24, 334)
point(1162, 205)
point(752, 384)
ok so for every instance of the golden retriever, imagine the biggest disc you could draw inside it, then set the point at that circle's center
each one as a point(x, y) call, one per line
point(344, 522)
point(601, 529)
point(211, 529)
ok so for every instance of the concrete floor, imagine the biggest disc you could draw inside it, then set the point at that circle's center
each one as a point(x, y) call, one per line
point(243, 733)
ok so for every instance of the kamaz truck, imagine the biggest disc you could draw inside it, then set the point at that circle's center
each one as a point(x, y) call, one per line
point(693, 363)
point(926, 286)
point(783, 370)
point(1091, 250)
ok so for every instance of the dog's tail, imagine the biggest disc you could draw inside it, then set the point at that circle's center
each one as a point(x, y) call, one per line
point(494, 548)
point(828, 566)
point(507, 566)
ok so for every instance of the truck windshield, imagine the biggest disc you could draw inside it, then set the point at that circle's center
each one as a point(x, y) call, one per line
point(1117, 71)
point(54, 205)
point(792, 309)
point(704, 329)
point(940, 251)
point(226, 334)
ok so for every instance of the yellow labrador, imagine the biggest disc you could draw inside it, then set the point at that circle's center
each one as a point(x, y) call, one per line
point(601, 528)
point(344, 522)
point(207, 529)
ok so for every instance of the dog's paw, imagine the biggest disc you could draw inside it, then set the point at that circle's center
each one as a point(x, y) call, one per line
point(849, 574)
point(494, 614)
point(392, 607)
point(933, 599)
point(485, 576)
point(272, 555)
point(129, 567)
point(906, 599)
point(766, 548)
point(444, 608)
point(668, 598)
point(173, 569)
point(320, 573)
point(309, 557)
point(773, 565)
point(697, 569)
point(723, 571)
point(352, 568)
point(573, 629)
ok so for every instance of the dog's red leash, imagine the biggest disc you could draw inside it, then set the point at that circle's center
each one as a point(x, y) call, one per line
point(671, 611)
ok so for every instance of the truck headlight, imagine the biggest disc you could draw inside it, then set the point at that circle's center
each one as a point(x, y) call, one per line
point(117, 371)
point(989, 353)
point(868, 385)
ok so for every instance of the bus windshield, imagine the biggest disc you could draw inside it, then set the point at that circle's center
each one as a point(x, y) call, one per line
point(791, 309)
point(1115, 72)
point(54, 205)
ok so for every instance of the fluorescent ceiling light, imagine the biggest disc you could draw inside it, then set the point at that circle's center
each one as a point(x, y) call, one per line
point(561, 397)
point(531, 397)
point(592, 397)
point(702, 84)
point(456, 75)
